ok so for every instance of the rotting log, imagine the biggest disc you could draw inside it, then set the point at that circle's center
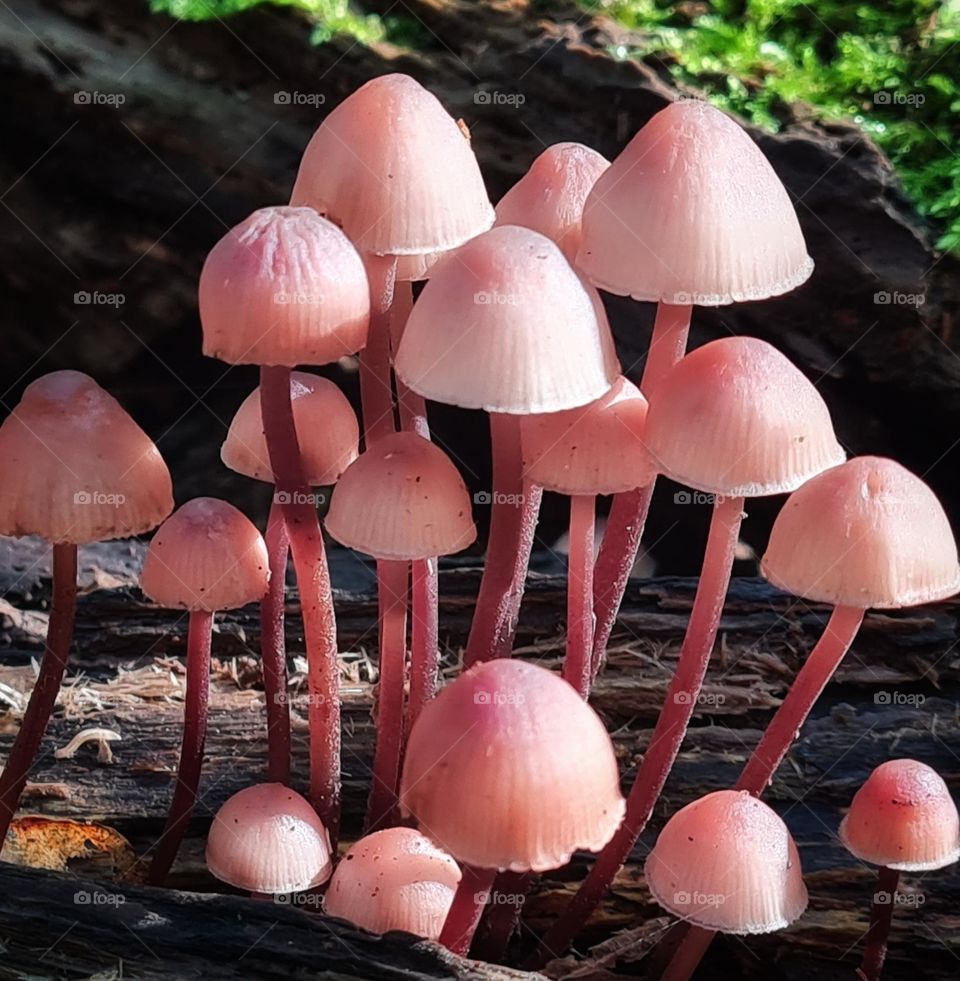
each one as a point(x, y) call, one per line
point(896, 695)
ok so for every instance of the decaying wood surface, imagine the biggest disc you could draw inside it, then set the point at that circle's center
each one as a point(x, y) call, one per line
point(896, 695)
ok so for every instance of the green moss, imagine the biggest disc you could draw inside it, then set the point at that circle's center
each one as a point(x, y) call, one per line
point(893, 67)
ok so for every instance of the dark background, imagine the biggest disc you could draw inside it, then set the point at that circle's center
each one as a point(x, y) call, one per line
point(126, 196)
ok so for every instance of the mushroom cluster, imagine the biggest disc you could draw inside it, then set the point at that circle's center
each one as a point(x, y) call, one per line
point(506, 771)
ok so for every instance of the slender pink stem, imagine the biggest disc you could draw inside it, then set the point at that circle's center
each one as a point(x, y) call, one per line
point(513, 521)
point(881, 915)
point(424, 638)
point(376, 385)
point(621, 542)
point(196, 701)
point(689, 953)
point(273, 651)
point(316, 596)
point(413, 407)
point(467, 906)
point(43, 698)
point(671, 726)
point(392, 592)
point(578, 664)
point(615, 561)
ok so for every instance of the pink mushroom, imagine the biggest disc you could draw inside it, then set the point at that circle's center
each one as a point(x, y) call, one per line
point(904, 820)
point(268, 841)
point(327, 434)
point(507, 326)
point(400, 501)
point(395, 879)
point(286, 287)
point(508, 768)
point(76, 469)
point(691, 212)
point(205, 557)
point(733, 419)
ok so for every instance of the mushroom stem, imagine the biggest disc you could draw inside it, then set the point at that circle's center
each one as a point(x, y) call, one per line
point(413, 407)
point(628, 515)
point(615, 560)
point(316, 598)
point(671, 724)
point(515, 505)
point(465, 911)
point(577, 665)
point(812, 678)
point(694, 943)
point(424, 639)
point(196, 701)
point(881, 913)
point(392, 593)
point(63, 607)
point(273, 652)
point(376, 385)
point(502, 915)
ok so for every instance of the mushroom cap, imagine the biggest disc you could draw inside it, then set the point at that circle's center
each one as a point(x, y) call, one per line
point(549, 198)
point(508, 768)
point(326, 425)
point(393, 169)
point(736, 418)
point(865, 534)
point(594, 449)
point(395, 879)
point(76, 467)
point(402, 499)
point(727, 862)
point(268, 839)
point(206, 556)
point(903, 817)
point(692, 212)
point(506, 325)
point(284, 287)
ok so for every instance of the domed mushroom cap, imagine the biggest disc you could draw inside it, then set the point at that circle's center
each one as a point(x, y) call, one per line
point(595, 449)
point(268, 839)
point(506, 325)
point(903, 817)
point(76, 467)
point(865, 534)
point(391, 167)
point(692, 212)
point(402, 499)
point(326, 425)
point(206, 556)
point(727, 862)
point(509, 768)
point(549, 198)
point(395, 879)
point(735, 417)
point(284, 287)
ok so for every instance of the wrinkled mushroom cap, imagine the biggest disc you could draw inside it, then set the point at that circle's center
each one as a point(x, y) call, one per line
point(76, 467)
point(692, 212)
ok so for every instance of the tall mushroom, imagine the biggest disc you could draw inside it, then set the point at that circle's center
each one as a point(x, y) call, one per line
point(328, 435)
point(205, 557)
point(507, 326)
point(689, 213)
point(286, 287)
point(733, 419)
point(77, 469)
point(399, 501)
